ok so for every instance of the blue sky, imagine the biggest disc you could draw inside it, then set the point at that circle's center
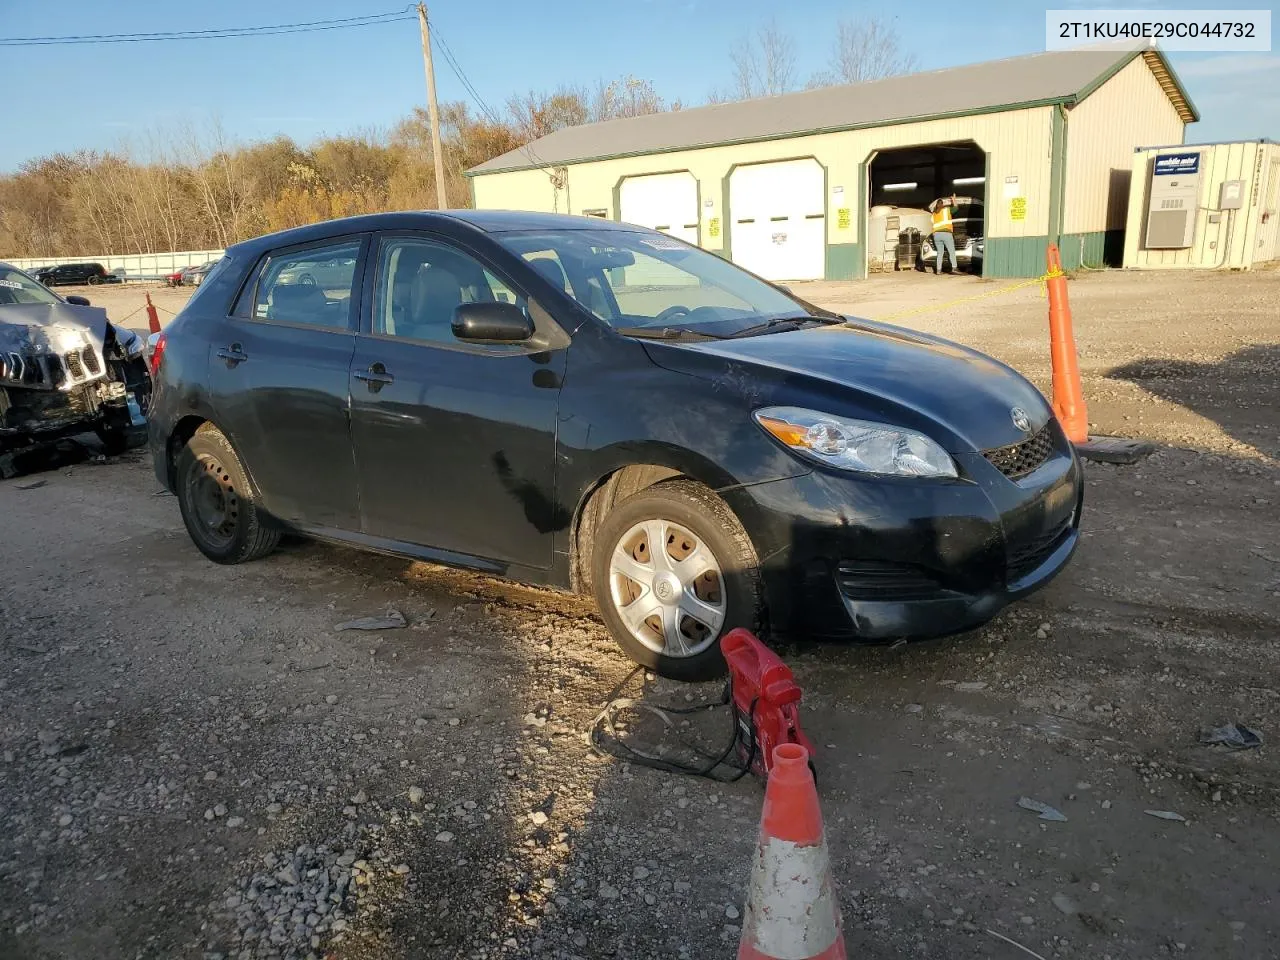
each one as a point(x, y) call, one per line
point(64, 98)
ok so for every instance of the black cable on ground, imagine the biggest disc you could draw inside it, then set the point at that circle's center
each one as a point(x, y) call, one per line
point(620, 750)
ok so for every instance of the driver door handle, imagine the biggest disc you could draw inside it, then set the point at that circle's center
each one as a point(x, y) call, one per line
point(376, 376)
point(233, 354)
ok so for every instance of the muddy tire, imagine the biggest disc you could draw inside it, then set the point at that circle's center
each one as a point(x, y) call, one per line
point(217, 502)
point(672, 571)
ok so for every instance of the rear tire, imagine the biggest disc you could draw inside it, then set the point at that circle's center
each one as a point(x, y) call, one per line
point(696, 525)
point(217, 503)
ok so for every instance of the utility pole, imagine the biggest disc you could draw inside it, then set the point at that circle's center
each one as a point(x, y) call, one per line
point(442, 200)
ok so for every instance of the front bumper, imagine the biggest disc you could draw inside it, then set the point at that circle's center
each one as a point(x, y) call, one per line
point(849, 557)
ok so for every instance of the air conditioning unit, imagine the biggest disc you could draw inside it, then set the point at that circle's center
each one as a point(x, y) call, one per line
point(1172, 201)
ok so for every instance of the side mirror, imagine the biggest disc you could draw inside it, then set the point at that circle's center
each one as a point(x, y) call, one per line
point(78, 301)
point(783, 287)
point(491, 322)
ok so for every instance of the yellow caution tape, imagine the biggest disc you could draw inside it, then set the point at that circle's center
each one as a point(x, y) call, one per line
point(934, 307)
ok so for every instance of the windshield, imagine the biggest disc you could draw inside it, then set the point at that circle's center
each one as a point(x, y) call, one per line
point(17, 287)
point(647, 281)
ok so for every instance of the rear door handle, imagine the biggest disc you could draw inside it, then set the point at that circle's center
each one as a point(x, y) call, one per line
point(233, 354)
point(376, 376)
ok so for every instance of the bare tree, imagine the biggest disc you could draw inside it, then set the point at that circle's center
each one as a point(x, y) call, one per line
point(538, 114)
point(763, 65)
point(867, 48)
point(626, 97)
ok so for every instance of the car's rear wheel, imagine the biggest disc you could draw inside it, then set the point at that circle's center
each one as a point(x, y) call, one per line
point(94, 280)
point(672, 571)
point(217, 503)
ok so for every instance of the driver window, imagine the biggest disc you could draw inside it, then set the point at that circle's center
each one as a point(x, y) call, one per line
point(311, 286)
point(421, 283)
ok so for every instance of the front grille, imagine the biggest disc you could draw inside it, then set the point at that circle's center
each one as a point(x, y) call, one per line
point(1025, 557)
point(1019, 459)
point(91, 361)
point(74, 367)
point(886, 580)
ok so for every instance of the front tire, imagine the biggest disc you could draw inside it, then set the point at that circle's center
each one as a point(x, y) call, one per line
point(217, 503)
point(673, 571)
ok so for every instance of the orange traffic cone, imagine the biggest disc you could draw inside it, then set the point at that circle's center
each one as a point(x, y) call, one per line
point(1068, 395)
point(792, 911)
point(153, 318)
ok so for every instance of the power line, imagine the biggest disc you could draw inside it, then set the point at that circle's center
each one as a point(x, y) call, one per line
point(527, 149)
point(313, 26)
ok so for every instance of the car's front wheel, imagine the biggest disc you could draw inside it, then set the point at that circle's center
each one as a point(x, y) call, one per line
point(672, 571)
point(217, 503)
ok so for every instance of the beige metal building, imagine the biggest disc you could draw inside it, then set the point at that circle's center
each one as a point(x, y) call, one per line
point(1211, 205)
point(784, 185)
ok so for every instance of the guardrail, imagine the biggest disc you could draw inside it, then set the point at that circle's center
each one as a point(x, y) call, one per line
point(130, 267)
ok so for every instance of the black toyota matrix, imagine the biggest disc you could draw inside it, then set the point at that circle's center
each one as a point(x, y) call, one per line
point(602, 408)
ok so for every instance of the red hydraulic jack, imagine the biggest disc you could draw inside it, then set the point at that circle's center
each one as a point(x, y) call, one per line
point(765, 698)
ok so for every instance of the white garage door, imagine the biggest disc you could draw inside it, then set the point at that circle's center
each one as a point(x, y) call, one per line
point(779, 219)
point(667, 202)
point(662, 201)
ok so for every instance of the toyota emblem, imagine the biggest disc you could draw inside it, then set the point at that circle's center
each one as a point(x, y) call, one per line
point(1020, 419)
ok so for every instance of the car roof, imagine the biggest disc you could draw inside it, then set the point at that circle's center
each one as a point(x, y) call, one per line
point(482, 221)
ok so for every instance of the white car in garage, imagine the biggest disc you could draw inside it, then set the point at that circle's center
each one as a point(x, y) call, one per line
point(968, 221)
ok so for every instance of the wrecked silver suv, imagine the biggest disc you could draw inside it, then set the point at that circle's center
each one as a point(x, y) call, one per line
point(65, 370)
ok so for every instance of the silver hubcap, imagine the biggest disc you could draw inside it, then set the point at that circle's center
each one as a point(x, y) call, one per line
point(667, 588)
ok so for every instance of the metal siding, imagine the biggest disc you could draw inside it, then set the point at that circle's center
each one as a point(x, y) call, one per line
point(520, 190)
point(1018, 143)
point(1268, 247)
point(1219, 162)
point(1129, 110)
point(1104, 129)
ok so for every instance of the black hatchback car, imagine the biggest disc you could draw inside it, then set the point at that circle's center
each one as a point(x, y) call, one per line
point(602, 408)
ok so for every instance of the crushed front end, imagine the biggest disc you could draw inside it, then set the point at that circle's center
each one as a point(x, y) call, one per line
point(65, 370)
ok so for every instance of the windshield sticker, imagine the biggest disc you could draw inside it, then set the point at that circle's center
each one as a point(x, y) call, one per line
point(661, 243)
point(11, 283)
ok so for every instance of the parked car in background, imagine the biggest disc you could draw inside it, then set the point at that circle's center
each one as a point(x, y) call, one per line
point(190, 276)
point(75, 273)
point(64, 369)
point(319, 272)
point(968, 220)
point(604, 408)
point(194, 276)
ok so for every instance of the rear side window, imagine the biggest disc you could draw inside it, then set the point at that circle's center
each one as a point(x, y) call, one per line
point(217, 270)
point(312, 286)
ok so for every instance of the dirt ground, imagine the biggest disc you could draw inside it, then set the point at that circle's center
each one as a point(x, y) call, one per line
point(192, 754)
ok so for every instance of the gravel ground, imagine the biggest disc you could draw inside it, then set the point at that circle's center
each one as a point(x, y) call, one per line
point(195, 763)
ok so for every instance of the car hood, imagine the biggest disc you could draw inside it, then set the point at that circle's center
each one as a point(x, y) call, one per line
point(59, 326)
point(961, 398)
point(29, 331)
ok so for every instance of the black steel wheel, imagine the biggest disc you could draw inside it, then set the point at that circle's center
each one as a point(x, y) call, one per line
point(217, 504)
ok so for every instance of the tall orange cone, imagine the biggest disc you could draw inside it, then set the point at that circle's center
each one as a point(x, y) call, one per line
point(792, 910)
point(153, 318)
point(1068, 395)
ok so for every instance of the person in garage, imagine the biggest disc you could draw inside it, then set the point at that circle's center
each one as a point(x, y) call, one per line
point(944, 240)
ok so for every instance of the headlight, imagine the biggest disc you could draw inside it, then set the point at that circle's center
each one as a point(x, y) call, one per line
point(856, 444)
